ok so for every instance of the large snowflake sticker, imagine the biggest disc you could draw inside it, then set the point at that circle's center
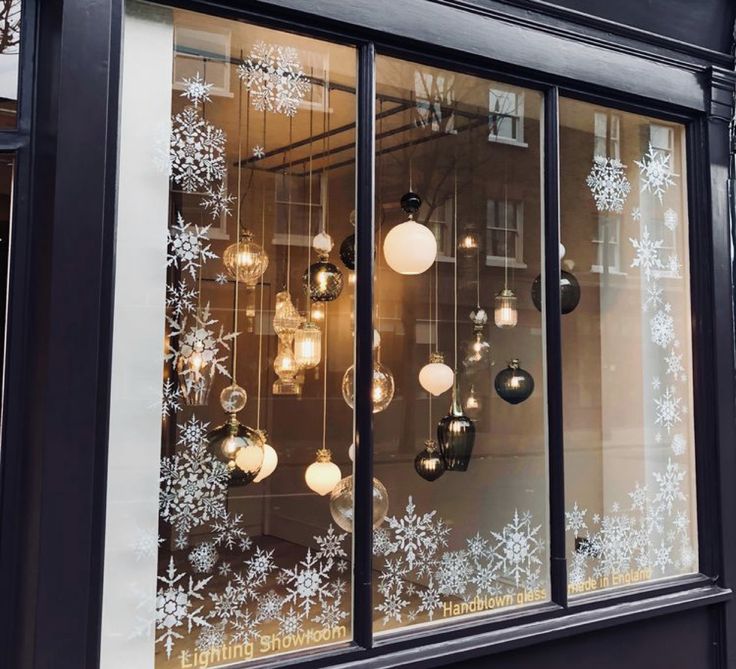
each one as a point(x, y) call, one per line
point(305, 582)
point(608, 184)
point(412, 532)
point(656, 172)
point(196, 151)
point(519, 547)
point(669, 482)
point(273, 75)
point(175, 606)
point(647, 253)
point(189, 246)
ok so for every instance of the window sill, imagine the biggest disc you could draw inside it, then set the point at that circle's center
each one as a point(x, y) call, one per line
point(508, 141)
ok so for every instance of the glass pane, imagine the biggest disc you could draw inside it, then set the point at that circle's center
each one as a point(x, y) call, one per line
point(228, 427)
point(7, 171)
point(10, 17)
point(466, 528)
point(627, 357)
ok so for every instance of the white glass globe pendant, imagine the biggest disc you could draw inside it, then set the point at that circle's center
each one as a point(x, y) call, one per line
point(270, 461)
point(436, 377)
point(322, 475)
point(410, 247)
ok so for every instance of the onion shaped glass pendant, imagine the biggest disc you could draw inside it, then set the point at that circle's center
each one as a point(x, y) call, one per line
point(569, 292)
point(410, 247)
point(456, 437)
point(240, 447)
point(505, 314)
point(341, 503)
point(322, 475)
point(514, 384)
point(429, 463)
point(436, 377)
point(245, 260)
point(382, 390)
point(270, 460)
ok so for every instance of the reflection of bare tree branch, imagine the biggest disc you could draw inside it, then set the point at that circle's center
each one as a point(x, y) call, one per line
point(10, 11)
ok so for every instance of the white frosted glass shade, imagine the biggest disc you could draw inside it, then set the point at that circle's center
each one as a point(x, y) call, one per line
point(323, 475)
point(249, 458)
point(410, 248)
point(270, 460)
point(436, 377)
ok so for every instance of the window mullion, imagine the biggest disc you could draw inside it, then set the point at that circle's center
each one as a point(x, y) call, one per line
point(363, 488)
point(553, 342)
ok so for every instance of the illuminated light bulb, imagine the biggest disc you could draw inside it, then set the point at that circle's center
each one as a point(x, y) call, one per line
point(245, 260)
point(410, 248)
point(323, 281)
point(195, 376)
point(322, 475)
point(341, 503)
point(478, 351)
point(472, 404)
point(318, 312)
point(436, 377)
point(286, 369)
point(308, 346)
point(505, 314)
point(286, 319)
point(382, 390)
point(270, 461)
point(429, 463)
point(240, 447)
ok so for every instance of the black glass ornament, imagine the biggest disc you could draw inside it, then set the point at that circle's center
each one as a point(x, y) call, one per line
point(429, 463)
point(323, 281)
point(569, 292)
point(347, 252)
point(514, 384)
point(410, 202)
point(456, 436)
point(223, 443)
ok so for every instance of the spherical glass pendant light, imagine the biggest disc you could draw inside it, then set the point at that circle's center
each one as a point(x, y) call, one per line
point(569, 292)
point(341, 503)
point(270, 460)
point(323, 281)
point(436, 377)
point(477, 352)
point(382, 391)
point(286, 368)
point(308, 346)
point(347, 251)
point(410, 247)
point(240, 447)
point(322, 475)
point(429, 463)
point(233, 398)
point(505, 314)
point(456, 437)
point(514, 384)
point(245, 260)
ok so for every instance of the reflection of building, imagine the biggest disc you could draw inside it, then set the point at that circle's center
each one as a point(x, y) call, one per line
point(139, 527)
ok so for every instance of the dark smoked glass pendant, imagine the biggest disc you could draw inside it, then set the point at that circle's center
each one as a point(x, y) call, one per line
point(514, 384)
point(456, 436)
point(347, 252)
point(569, 292)
point(429, 463)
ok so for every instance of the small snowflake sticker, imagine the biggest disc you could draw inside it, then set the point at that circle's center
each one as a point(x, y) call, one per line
point(656, 172)
point(196, 90)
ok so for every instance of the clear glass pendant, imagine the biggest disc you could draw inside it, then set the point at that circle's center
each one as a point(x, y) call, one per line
point(382, 391)
point(308, 346)
point(505, 314)
point(341, 503)
point(286, 369)
point(245, 260)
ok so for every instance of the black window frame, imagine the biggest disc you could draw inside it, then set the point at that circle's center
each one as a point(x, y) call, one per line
point(52, 553)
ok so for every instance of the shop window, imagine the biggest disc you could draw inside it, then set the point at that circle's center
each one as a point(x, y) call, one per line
point(466, 531)
point(626, 350)
point(10, 24)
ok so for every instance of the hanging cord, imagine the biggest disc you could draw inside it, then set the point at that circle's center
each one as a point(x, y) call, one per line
point(260, 315)
point(379, 231)
point(326, 204)
point(288, 216)
point(436, 308)
point(454, 226)
point(429, 395)
point(309, 185)
point(324, 388)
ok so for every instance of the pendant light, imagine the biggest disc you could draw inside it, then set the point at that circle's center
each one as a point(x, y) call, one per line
point(347, 252)
point(429, 463)
point(472, 405)
point(270, 456)
point(478, 349)
point(514, 384)
point(505, 314)
point(240, 447)
point(195, 366)
point(286, 368)
point(456, 432)
point(246, 260)
point(323, 474)
point(410, 247)
point(435, 377)
point(382, 390)
point(342, 506)
point(569, 287)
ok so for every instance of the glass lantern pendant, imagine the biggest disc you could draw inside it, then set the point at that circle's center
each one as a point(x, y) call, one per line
point(505, 314)
point(286, 319)
point(286, 368)
point(514, 384)
point(410, 247)
point(456, 436)
point(270, 459)
point(436, 377)
point(308, 346)
point(428, 463)
point(341, 503)
point(382, 391)
point(245, 260)
point(240, 447)
point(569, 292)
point(322, 475)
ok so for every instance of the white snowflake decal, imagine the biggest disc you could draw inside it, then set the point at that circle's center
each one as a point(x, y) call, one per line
point(671, 219)
point(304, 583)
point(196, 151)
point(575, 519)
point(273, 75)
point(608, 184)
point(647, 253)
point(668, 409)
point(656, 172)
point(221, 279)
point(674, 365)
point(228, 531)
point(258, 152)
point(413, 532)
point(204, 557)
point(217, 201)
point(678, 444)
point(662, 328)
point(653, 298)
point(181, 299)
point(669, 485)
point(196, 90)
point(188, 246)
point(170, 399)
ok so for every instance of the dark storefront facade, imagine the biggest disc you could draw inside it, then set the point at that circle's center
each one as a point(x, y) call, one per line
point(287, 381)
